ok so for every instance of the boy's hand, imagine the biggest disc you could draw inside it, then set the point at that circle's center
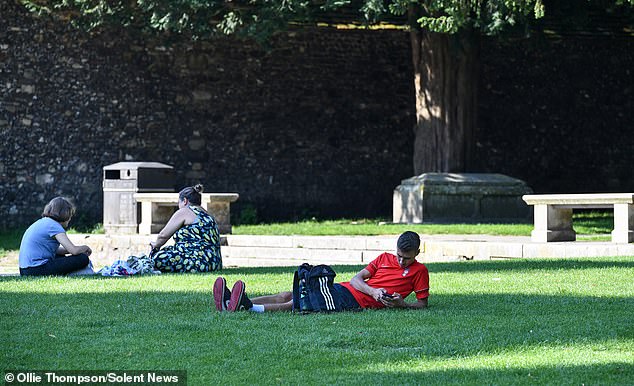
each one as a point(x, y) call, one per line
point(396, 301)
point(377, 294)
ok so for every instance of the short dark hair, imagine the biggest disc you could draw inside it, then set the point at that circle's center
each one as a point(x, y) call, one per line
point(408, 241)
point(192, 194)
point(59, 209)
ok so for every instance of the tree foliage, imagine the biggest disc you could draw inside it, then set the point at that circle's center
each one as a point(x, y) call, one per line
point(261, 18)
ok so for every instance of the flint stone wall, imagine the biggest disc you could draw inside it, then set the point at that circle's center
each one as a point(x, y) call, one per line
point(306, 127)
point(318, 124)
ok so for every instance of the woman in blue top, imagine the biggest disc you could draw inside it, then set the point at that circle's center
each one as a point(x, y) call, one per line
point(45, 245)
point(196, 238)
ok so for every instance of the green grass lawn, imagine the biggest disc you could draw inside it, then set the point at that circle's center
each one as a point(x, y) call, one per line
point(556, 322)
point(585, 223)
point(10, 240)
point(377, 227)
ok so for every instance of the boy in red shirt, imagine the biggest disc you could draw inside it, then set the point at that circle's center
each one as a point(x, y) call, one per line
point(385, 282)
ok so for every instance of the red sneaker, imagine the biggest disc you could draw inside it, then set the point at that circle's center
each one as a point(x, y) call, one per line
point(237, 293)
point(221, 294)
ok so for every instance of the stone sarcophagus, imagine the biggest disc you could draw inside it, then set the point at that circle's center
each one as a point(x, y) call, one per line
point(460, 197)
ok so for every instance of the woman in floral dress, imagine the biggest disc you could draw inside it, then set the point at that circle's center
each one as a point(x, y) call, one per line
point(196, 239)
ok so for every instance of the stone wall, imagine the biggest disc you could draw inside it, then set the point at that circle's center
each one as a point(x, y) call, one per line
point(559, 113)
point(317, 124)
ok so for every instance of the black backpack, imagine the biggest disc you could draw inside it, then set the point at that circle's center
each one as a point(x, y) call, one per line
point(313, 289)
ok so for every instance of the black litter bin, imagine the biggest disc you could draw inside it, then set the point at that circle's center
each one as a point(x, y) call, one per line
point(121, 214)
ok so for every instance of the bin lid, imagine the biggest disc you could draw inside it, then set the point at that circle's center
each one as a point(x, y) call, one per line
point(137, 165)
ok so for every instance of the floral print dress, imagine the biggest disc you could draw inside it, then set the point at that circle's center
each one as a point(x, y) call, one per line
point(196, 247)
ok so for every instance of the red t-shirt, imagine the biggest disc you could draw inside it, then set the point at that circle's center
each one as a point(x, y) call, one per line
point(387, 273)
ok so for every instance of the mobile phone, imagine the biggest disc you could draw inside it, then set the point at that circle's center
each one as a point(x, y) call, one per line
point(386, 295)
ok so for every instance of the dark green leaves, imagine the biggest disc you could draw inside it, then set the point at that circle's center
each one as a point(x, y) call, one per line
point(262, 18)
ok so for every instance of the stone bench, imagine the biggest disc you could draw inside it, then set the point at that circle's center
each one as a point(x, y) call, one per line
point(553, 214)
point(154, 216)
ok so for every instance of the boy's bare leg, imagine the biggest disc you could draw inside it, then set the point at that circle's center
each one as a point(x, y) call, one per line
point(288, 306)
point(282, 297)
point(279, 302)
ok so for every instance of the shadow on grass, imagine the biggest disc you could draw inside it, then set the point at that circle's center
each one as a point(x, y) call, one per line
point(10, 240)
point(531, 264)
point(553, 264)
point(115, 328)
point(472, 266)
point(468, 338)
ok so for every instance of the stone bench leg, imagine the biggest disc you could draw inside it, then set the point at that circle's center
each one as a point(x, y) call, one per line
point(623, 223)
point(145, 227)
point(221, 212)
point(552, 224)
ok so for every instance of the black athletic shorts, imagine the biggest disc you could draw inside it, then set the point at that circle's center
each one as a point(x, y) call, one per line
point(348, 302)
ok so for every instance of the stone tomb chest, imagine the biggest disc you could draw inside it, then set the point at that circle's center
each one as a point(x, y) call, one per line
point(460, 197)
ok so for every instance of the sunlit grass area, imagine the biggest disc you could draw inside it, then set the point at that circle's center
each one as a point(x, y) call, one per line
point(547, 321)
point(590, 223)
point(377, 227)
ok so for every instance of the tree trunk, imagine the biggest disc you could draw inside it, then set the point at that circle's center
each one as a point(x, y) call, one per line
point(446, 83)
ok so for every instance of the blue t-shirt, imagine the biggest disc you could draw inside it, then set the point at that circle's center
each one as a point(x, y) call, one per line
point(39, 244)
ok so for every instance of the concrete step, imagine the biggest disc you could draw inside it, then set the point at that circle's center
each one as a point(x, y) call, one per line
point(254, 251)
